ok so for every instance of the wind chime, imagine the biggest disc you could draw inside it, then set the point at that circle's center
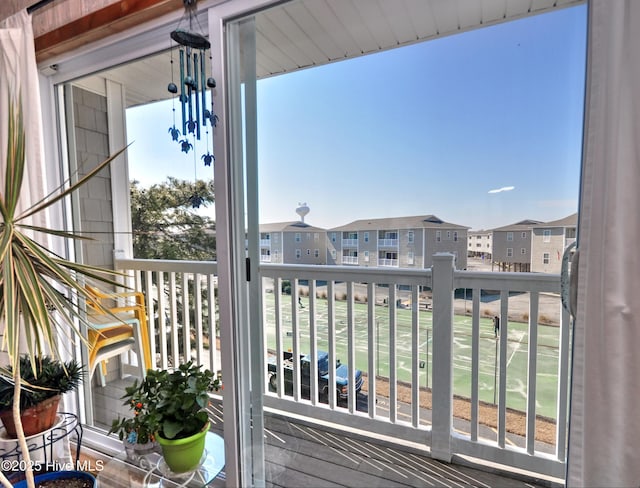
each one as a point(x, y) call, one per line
point(193, 85)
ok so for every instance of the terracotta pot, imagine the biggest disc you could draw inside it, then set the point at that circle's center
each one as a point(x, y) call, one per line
point(34, 420)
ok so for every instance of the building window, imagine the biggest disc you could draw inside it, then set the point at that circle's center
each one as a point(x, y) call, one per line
point(509, 236)
point(334, 254)
point(438, 236)
point(524, 235)
point(308, 236)
point(316, 236)
point(523, 251)
point(316, 253)
point(545, 258)
point(308, 252)
point(366, 237)
point(333, 237)
point(509, 252)
point(298, 253)
point(546, 235)
point(366, 256)
point(455, 236)
point(448, 235)
point(410, 237)
point(298, 237)
point(410, 257)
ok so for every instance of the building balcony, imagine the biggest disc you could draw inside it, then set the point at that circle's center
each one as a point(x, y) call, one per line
point(393, 263)
point(349, 259)
point(265, 243)
point(420, 363)
point(350, 243)
point(388, 243)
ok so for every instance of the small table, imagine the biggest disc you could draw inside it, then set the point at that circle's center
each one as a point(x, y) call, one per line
point(150, 470)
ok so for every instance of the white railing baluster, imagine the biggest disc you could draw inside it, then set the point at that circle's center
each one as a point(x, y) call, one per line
point(313, 346)
point(532, 371)
point(295, 339)
point(502, 365)
point(415, 358)
point(331, 341)
point(277, 293)
point(351, 348)
point(186, 320)
point(162, 323)
point(151, 312)
point(372, 343)
point(563, 385)
point(173, 313)
point(475, 362)
point(442, 390)
point(393, 364)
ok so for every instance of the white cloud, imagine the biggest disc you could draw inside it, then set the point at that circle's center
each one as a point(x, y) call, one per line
point(504, 188)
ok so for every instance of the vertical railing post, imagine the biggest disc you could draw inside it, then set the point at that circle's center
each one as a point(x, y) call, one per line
point(442, 402)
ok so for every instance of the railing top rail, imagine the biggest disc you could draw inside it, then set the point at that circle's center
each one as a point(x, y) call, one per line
point(348, 273)
point(174, 266)
point(508, 281)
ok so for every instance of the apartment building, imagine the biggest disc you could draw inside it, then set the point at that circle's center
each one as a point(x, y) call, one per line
point(480, 244)
point(549, 240)
point(400, 242)
point(293, 243)
point(512, 246)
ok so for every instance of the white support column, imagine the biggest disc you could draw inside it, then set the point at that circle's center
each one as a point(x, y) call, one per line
point(442, 402)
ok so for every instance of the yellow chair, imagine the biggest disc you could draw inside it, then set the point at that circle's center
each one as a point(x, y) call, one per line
point(117, 329)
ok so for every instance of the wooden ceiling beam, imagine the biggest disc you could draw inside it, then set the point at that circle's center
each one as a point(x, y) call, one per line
point(104, 22)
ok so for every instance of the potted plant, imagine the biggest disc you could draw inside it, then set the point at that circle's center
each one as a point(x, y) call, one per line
point(41, 293)
point(137, 433)
point(40, 393)
point(174, 401)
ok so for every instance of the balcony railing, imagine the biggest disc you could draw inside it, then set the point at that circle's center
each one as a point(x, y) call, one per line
point(388, 262)
point(349, 259)
point(349, 242)
point(265, 258)
point(398, 327)
point(265, 243)
point(387, 242)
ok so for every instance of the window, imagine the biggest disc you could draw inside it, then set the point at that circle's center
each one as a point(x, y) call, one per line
point(545, 258)
point(366, 237)
point(366, 256)
point(509, 252)
point(316, 253)
point(524, 235)
point(308, 252)
point(298, 237)
point(509, 236)
point(448, 235)
point(316, 236)
point(523, 251)
point(298, 253)
point(334, 254)
point(308, 236)
point(438, 236)
point(410, 257)
point(333, 237)
point(410, 237)
point(546, 235)
point(455, 236)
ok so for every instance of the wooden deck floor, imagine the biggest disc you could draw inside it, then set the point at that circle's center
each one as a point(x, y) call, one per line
point(299, 454)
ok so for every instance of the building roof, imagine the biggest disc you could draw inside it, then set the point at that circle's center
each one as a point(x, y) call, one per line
point(415, 222)
point(569, 221)
point(526, 224)
point(294, 226)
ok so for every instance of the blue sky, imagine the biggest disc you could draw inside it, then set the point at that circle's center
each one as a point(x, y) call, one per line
point(430, 128)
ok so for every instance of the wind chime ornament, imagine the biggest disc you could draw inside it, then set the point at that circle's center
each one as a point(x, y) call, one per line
point(193, 84)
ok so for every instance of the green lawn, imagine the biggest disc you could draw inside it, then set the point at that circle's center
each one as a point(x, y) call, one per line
point(547, 353)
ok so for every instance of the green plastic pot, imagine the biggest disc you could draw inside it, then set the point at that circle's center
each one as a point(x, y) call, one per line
point(182, 455)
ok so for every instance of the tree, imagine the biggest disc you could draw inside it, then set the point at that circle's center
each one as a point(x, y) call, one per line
point(166, 224)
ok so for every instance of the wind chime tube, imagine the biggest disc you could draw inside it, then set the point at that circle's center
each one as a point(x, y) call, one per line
point(183, 96)
point(196, 80)
point(189, 90)
point(204, 84)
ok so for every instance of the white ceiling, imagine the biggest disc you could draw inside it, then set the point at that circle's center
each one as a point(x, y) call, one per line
point(306, 33)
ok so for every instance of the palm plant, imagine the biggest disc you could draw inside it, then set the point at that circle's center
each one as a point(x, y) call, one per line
point(40, 291)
